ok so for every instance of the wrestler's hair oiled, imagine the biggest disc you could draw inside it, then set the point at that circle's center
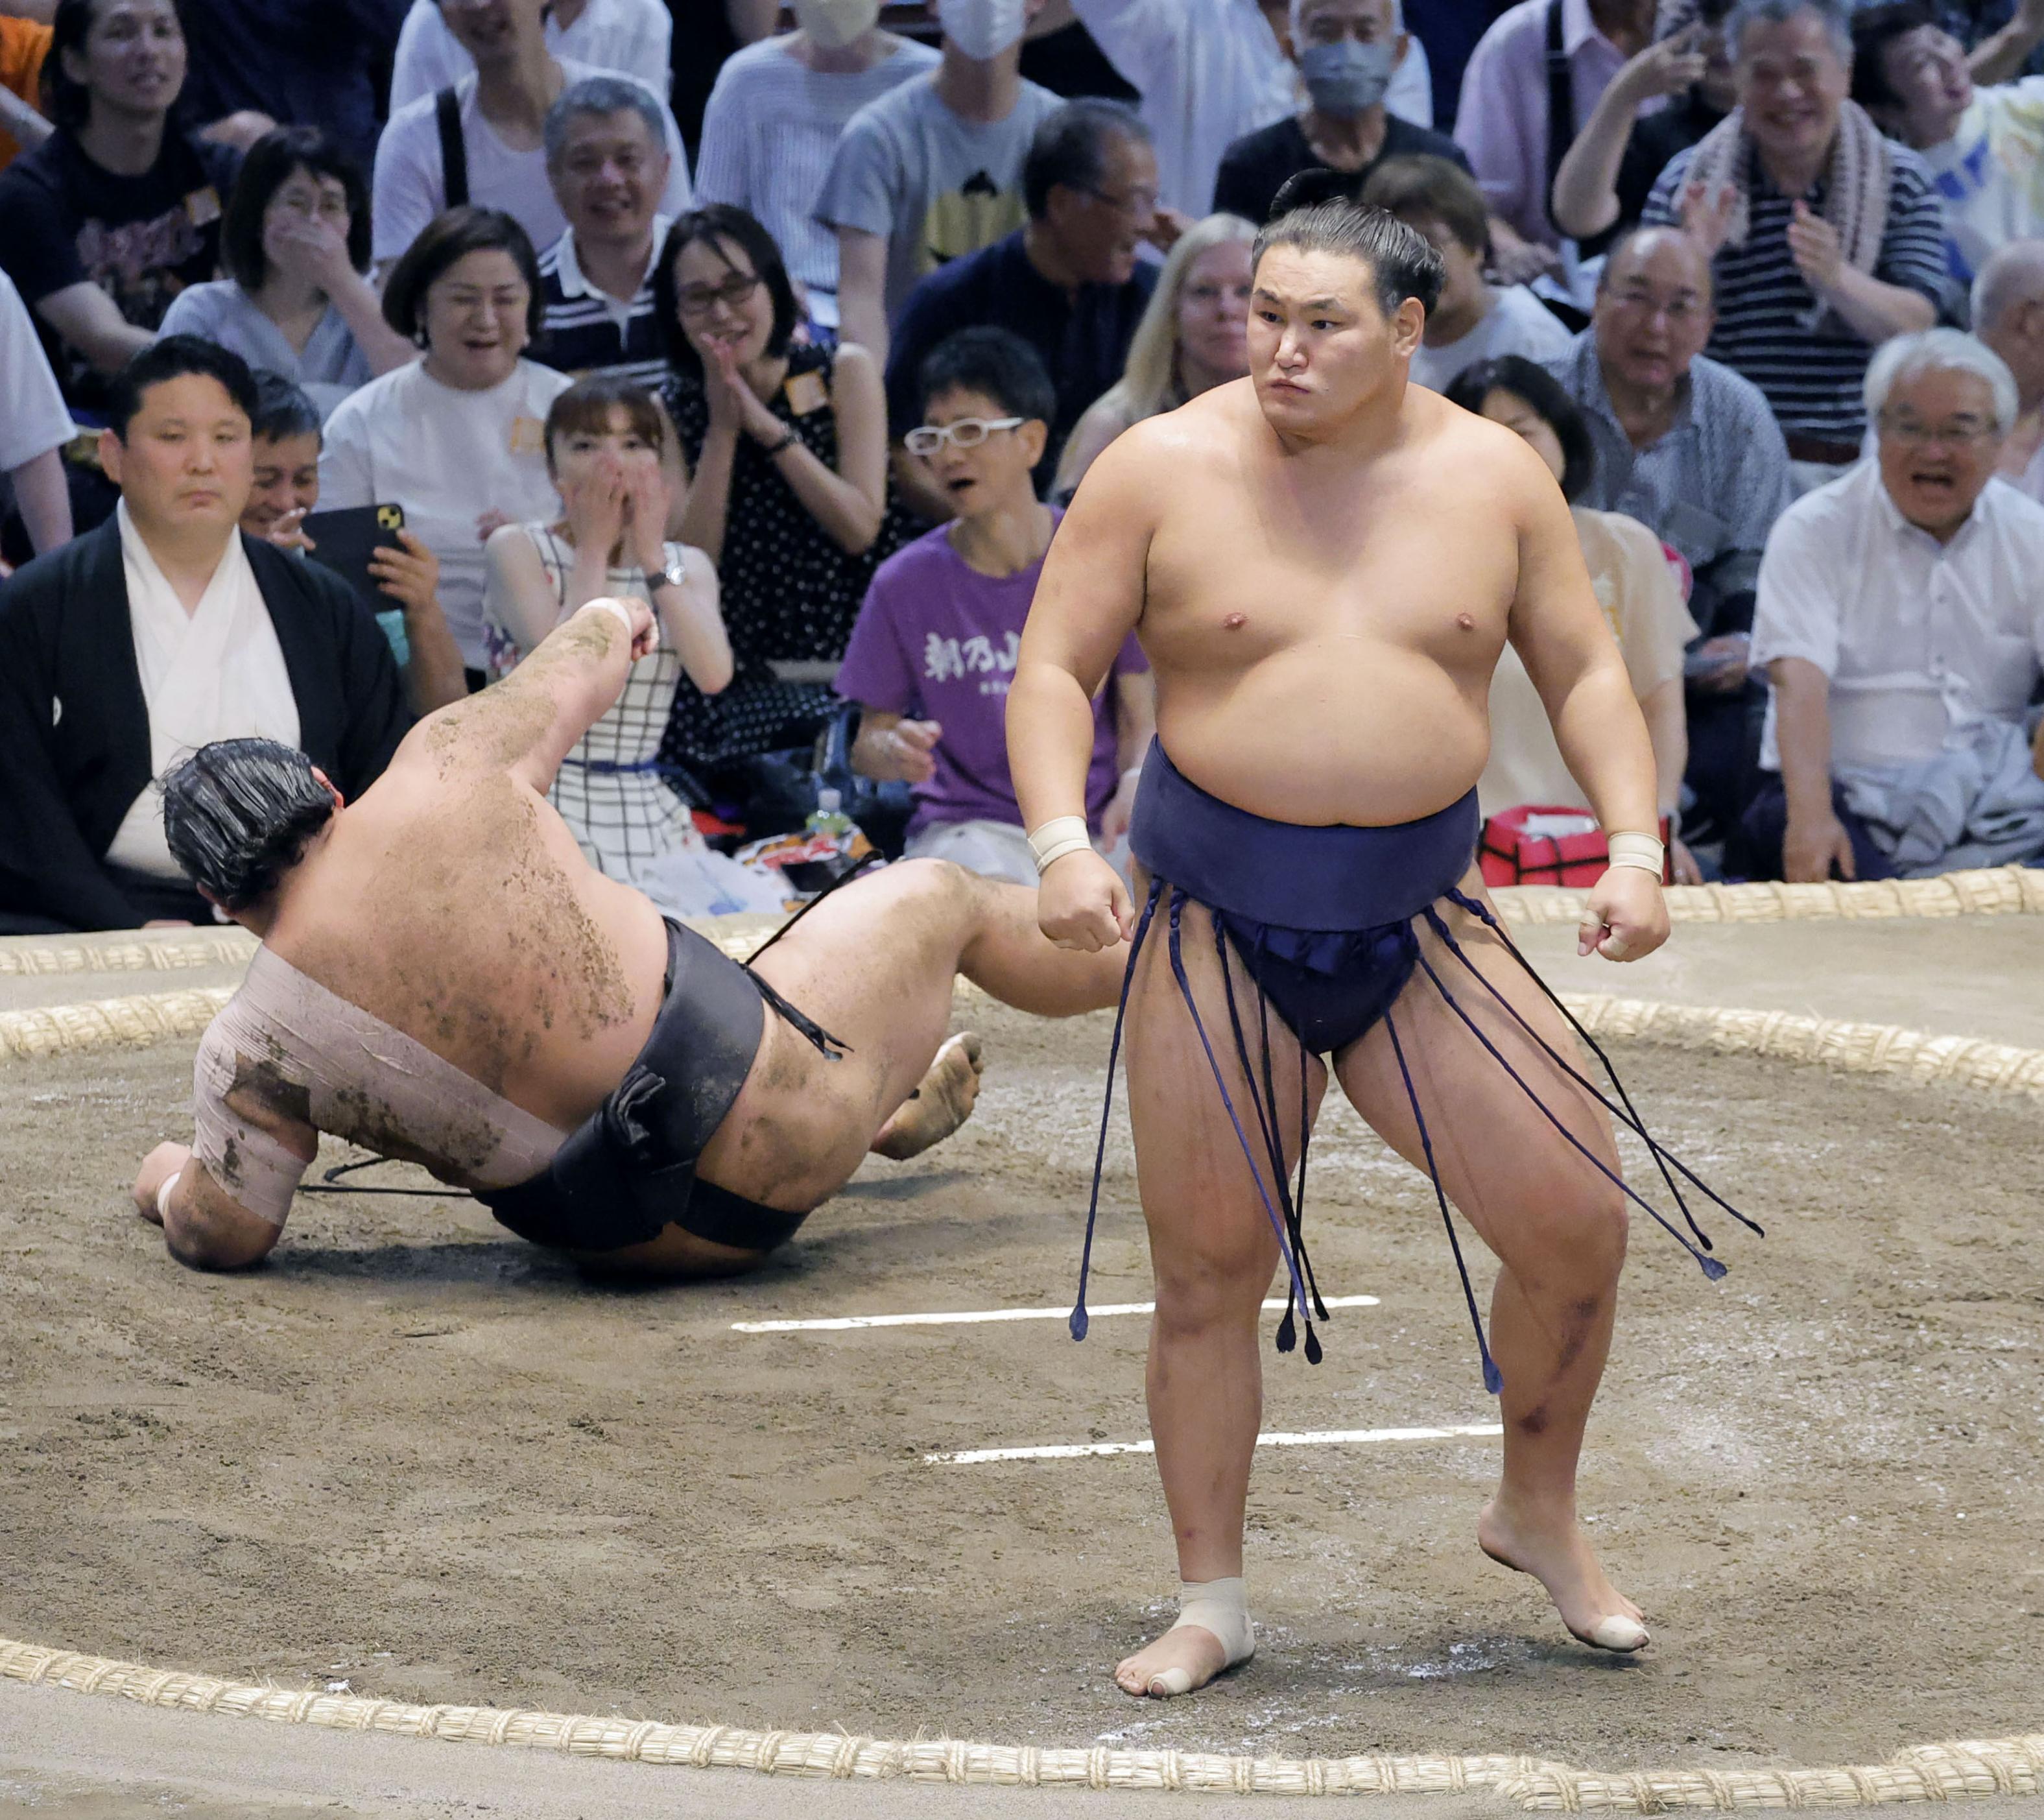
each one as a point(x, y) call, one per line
point(237, 815)
point(1317, 211)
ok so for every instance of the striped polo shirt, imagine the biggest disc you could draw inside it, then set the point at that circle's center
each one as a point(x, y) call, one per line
point(585, 332)
point(1811, 375)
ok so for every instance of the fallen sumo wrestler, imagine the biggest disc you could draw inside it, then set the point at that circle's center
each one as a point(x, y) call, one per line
point(446, 980)
point(1323, 564)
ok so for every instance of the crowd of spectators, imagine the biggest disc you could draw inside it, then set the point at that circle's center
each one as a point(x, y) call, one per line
point(344, 349)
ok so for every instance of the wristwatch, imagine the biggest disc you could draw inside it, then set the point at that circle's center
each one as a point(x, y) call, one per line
point(675, 576)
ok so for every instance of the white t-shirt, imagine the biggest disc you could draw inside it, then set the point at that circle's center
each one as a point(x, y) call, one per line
point(1518, 323)
point(633, 36)
point(33, 417)
point(769, 134)
point(447, 457)
point(410, 184)
point(1209, 71)
point(1989, 174)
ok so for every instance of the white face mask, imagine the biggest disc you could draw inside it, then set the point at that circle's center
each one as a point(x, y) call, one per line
point(982, 28)
point(833, 24)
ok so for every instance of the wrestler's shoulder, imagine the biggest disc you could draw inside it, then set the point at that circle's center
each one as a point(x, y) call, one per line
point(1458, 443)
point(1162, 449)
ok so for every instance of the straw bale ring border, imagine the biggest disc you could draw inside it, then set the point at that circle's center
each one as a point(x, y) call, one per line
point(1942, 1772)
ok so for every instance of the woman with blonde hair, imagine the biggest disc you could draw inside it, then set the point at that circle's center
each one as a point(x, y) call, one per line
point(1194, 334)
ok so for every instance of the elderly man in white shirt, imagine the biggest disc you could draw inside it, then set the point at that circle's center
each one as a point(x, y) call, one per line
point(1901, 618)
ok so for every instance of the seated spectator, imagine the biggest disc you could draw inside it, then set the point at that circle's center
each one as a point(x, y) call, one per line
point(630, 37)
point(1349, 51)
point(1691, 450)
point(1607, 174)
point(609, 168)
point(24, 45)
point(1070, 283)
point(455, 438)
point(1505, 120)
point(932, 169)
point(1474, 320)
point(1209, 72)
point(1900, 619)
point(34, 428)
point(782, 463)
point(119, 209)
point(295, 242)
point(287, 438)
point(1982, 144)
point(1636, 586)
point(1826, 238)
point(307, 62)
point(491, 129)
point(162, 629)
point(2008, 316)
point(1192, 337)
point(604, 439)
point(934, 650)
point(773, 120)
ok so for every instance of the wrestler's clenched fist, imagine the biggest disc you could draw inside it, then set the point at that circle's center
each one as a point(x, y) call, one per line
point(1082, 904)
point(1627, 917)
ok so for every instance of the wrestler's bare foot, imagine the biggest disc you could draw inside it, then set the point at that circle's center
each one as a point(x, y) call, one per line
point(1594, 1610)
point(943, 1101)
point(1191, 1649)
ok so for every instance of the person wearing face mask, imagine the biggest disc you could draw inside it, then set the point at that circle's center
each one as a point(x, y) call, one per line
point(631, 37)
point(1984, 144)
point(1348, 51)
point(932, 169)
point(456, 438)
point(1211, 70)
point(1070, 283)
point(482, 139)
point(772, 126)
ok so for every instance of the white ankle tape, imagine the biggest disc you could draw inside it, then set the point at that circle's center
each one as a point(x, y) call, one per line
point(1222, 1606)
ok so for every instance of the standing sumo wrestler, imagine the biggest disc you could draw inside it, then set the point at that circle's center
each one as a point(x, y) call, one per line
point(1324, 564)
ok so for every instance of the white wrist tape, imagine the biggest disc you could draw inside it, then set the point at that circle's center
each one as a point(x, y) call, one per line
point(163, 1194)
point(1643, 851)
point(606, 604)
point(1061, 835)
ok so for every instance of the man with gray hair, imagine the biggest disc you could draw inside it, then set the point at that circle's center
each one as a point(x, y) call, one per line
point(1825, 238)
point(1349, 54)
point(2008, 316)
point(608, 164)
point(1901, 618)
point(482, 140)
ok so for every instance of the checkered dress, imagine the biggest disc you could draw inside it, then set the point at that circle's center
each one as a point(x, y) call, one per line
point(610, 790)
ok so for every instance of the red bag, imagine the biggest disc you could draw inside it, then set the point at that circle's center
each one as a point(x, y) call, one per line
point(1532, 845)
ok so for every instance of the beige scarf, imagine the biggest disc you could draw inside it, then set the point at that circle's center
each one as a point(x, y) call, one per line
point(1856, 182)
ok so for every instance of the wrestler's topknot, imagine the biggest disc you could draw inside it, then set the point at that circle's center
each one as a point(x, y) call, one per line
point(237, 815)
point(1316, 211)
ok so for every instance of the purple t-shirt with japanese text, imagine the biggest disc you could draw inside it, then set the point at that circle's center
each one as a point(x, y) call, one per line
point(937, 640)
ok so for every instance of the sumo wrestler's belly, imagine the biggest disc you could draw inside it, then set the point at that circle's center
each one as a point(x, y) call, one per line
point(1333, 731)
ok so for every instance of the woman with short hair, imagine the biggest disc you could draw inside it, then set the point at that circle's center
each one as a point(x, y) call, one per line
point(1194, 335)
point(295, 245)
point(1636, 586)
point(458, 439)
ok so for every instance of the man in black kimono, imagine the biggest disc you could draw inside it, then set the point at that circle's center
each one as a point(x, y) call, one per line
point(164, 629)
